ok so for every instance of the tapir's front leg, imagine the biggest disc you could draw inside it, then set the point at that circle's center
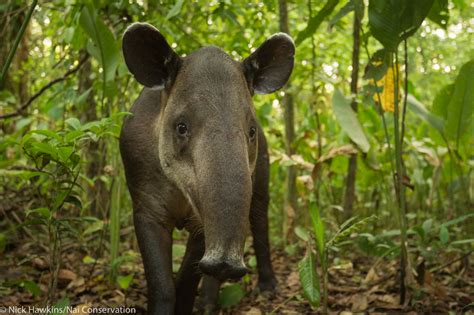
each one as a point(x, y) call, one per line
point(155, 246)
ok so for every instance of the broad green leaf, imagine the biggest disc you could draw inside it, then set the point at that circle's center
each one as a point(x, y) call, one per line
point(348, 121)
point(439, 13)
point(461, 106)
point(315, 21)
point(392, 21)
point(94, 227)
point(231, 295)
point(106, 49)
point(32, 287)
point(73, 122)
point(175, 9)
point(418, 108)
point(47, 133)
point(309, 278)
point(302, 233)
point(427, 226)
point(45, 148)
point(443, 234)
point(441, 101)
point(124, 281)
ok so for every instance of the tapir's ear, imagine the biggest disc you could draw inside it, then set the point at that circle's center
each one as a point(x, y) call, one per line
point(268, 68)
point(148, 56)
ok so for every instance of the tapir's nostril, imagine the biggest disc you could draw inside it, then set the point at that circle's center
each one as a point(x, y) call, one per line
point(222, 269)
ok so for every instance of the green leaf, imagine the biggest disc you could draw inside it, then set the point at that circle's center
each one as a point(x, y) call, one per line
point(351, 5)
point(175, 9)
point(318, 230)
point(231, 295)
point(73, 122)
point(47, 133)
point(315, 21)
point(3, 242)
point(45, 148)
point(443, 234)
point(392, 21)
point(124, 281)
point(459, 219)
point(309, 278)
point(346, 9)
point(94, 227)
point(427, 226)
point(418, 108)
point(461, 105)
point(106, 49)
point(441, 101)
point(439, 13)
point(302, 233)
point(43, 212)
point(32, 287)
point(348, 121)
point(61, 307)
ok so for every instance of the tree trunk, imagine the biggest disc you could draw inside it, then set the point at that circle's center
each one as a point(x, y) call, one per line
point(349, 198)
point(288, 105)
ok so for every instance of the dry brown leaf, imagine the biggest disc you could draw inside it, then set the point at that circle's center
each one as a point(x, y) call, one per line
point(359, 302)
point(388, 299)
point(253, 311)
point(293, 279)
point(371, 276)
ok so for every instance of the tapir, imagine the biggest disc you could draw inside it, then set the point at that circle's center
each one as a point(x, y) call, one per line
point(196, 158)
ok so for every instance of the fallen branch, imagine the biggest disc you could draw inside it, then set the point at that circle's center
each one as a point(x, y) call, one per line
point(22, 108)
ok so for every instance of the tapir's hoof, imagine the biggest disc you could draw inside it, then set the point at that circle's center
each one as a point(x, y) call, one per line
point(267, 285)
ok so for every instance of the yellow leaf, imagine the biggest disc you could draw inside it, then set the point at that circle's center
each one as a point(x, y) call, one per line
point(387, 96)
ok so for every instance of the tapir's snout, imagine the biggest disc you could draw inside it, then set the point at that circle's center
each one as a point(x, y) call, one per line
point(223, 268)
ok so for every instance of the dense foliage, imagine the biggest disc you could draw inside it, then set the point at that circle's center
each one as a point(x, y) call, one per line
point(370, 143)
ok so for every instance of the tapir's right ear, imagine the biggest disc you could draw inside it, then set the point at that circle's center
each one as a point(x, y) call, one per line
point(148, 56)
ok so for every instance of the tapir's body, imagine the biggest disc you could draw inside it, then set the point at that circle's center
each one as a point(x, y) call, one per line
point(195, 158)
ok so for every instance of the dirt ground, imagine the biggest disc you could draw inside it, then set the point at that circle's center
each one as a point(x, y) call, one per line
point(358, 284)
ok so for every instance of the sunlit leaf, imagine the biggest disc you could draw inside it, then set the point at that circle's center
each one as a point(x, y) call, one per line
point(124, 281)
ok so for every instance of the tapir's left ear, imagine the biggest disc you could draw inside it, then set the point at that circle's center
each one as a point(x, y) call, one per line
point(270, 66)
point(148, 56)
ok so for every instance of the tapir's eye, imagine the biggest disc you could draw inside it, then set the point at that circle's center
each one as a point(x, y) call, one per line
point(182, 129)
point(252, 133)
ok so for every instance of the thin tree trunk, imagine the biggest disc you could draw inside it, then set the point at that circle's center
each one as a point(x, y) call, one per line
point(349, 197)
point(288, 105)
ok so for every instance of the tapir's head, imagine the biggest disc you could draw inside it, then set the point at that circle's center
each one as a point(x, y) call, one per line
point(207, 131)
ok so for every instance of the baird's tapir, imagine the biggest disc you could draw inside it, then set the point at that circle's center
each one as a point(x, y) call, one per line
point(195, 157)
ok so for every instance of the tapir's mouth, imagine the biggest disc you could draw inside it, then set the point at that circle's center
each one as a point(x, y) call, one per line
point(223, 269)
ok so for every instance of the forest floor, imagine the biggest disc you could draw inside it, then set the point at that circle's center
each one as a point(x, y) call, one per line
point(360, 284)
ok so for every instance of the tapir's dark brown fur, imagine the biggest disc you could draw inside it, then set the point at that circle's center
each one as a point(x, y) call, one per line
point(196, 158)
